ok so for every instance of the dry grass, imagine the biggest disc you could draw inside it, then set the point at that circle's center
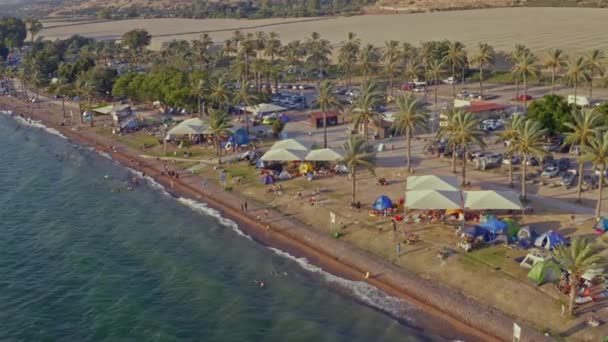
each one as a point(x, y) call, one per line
point(573, 29)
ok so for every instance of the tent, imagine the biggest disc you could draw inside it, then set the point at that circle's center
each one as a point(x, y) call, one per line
point(290, 144)
point(601, 226)
point(240, 137)
point(512, 228)
point(549, 240)
point(264, 109)
point(284, 175)
point(283, 155)
point(544, 271)
point(432, 182)
point(382, 203)
point(267, 179)
point(324, 154)
point(491, 200)
point(493, 225)
point(432, 199)
point(188, 127)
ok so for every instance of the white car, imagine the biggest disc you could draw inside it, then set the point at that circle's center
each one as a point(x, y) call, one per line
point(550, 172)
point(419, 89)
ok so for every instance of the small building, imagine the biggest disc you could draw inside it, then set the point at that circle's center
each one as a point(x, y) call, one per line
point(121, 114)
point(482, 109)
point(316, 119)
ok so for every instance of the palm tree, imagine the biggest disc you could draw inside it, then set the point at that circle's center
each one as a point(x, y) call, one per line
point(319, 51)
point(509, 134)
point(34, 27)
point(525, 67)
point(200, 90)
point(390, 57)
point(576, 72)
point(293, 54)
point(485, 56)
point(528, 143)
point(62, 89)
point(426, 54)
point(365, 108)
point(455, 57)
point(258, 67)
point(409, 117)
point(580, 257)
point(435, 71)
point(446, 131)
point(596, 152)
point(243, 96)
point(407, 53)
point(273, 48)
point(595, 66)
point(347, 56)
point(355, 156)
point(411, 70)
point(513, 58)
point(326, 100)
point(37, 79)
point(556, 60)
point(219, 125)
point(220, 93)
point(466, 133)
point(368, 59)
point(584, 127)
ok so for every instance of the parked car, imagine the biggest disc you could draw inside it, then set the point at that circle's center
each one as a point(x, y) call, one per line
point(477, 155)
point(514, 160)
point(532, 161)
point(563, 164)
point(494, 159)
point(407, 86)
point(550, 172)
point(420, 89)
point(568, 178)
point(597, 172)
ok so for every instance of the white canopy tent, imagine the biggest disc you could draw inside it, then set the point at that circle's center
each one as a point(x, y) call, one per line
point(324, 154)
point(433, 182)
point(491, 200)
point(188, 127)
point(290, 144)
point(284, 155)
point(264, 108)
point(433, 199)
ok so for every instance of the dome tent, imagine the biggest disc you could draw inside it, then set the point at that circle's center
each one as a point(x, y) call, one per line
point(550, 240)
point(267, 179)
point(382, 203)
point(544, 271)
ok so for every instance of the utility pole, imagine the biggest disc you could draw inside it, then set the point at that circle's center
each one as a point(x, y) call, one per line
point(73, 11)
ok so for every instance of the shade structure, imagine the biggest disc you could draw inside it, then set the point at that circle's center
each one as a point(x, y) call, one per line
point(491, 200)
point(433, 182)
point(382, 203)
point(265, 108)
point(290, 144)
point(324, 154)
point(433, 199)
point(188, 127)
point(283, 155)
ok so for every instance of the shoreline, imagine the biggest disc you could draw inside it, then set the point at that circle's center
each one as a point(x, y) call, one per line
point(334, 256)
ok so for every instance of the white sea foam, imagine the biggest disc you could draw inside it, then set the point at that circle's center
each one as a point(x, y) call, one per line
point(363, 291)
point(37, 124)
point(205, 209)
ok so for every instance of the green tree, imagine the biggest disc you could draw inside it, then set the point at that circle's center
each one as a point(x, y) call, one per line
point(408, 119)
point(34, 26)
point(62, 89)
point(556, 60)
point(552, 111)
point(37, 79)
point(446, 131)
point(524, 68)
point(581, 256)
point(509, 134)
point(368, 60)
point(13, 32)
point(355, 157)
point(243, 96)
point(390, 57)
point(365, 108)
point(347, 56)
point(136, 40)
point(513, 58)
point(484, 56)
point(465, 134)
point(219, 125)
point(455, 57)
point(200, 89)
point(326, 101)
point(220, 93)
point(528, 143)
point(583, 128)
point(318, 51)
point(576, 72)
point(435, 70)
point(596, 153)
point(595, 60)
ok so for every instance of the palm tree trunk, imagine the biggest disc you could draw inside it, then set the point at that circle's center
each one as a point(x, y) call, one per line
point(481, 81)
point(579, 189)
point(464, 169)
point(510, 175)
point(590, 88)
point(408, 138)
point(80, 110)
point(454, 159)
point(523, 178)
point(365, 132)
point(37, 98)
point(575, 99)
point(525, 94)
point(246, 121)
point(598, 210)
point(517, 89)
point(219, 149)
point(573, 290)
point(390, 82)
point(552, 80)
point(199, 106)
point(354, 184)
point(63, 105)
point(324, 129)
point(454, 80)
point(435, 89)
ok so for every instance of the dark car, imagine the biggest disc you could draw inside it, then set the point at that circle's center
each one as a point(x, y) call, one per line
point(533, 161)
point(548, 160)
point(568, 178)
point(563, 164)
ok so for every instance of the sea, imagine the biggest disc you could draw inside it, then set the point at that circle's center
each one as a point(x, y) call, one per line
point(86, 255)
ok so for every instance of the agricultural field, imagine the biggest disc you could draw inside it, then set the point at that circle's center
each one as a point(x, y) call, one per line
point(572, 29)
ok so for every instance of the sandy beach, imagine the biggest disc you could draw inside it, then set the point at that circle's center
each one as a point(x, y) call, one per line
point(475, 320)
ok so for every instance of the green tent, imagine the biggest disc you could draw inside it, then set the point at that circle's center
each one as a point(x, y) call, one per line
point(544, 271)
point(512, 227)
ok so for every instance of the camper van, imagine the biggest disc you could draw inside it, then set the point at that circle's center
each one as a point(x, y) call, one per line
point(579, 100)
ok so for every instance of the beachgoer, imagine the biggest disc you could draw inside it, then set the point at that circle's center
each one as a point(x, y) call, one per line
point(246, 206)
point(259, 218)
point(268, 228)
point(563, 310)
point(266, 212)
point(366, 275)
point(242, 206)
point(394, 222)
point(398, 249)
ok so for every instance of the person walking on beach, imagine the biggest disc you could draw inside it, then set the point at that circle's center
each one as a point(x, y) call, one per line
point(246, 206)
point(398, 249)
point(259, 219)
point(242, 206)
point(266, 212)
point(394, 223)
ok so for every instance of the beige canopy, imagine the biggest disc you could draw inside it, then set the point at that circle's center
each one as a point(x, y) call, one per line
point(433, 182)
point(290, 144)
point(188, 127)
point(283, 155)
point(433, 199)
point(491, 200)
point(324, 154)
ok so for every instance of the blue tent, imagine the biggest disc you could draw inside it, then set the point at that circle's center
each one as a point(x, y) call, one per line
point(240, 137)
point(550, 240)
point(284, 118)
point(602, 225)
point(382, 203)
point(493, 225)
point(267, 179)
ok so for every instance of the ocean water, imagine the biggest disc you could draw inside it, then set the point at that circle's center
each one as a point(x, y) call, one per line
point(83, 258)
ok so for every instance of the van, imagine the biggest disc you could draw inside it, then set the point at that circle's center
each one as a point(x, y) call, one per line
point(579, 100)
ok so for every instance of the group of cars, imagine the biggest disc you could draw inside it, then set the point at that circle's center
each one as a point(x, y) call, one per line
point(491, 124)
point(469, 95)
point(289, 100)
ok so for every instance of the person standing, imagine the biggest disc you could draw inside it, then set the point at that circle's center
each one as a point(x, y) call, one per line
point(398, 249)
point(246, 206)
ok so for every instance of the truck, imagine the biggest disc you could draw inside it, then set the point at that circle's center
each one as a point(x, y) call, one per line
point(582, 101)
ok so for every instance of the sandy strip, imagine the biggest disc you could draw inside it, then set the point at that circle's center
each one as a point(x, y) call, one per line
point(464, 314)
